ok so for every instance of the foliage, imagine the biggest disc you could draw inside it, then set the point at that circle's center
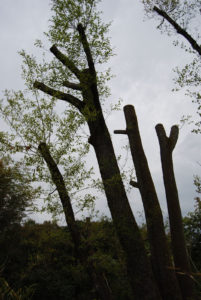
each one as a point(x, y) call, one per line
point(8, 293)
point(43, 257)
point(197, 183)
point(63, 32)
point(34, 119)
point(66, 16)
point(16, 193)
point(187, 15)
point(192, 227)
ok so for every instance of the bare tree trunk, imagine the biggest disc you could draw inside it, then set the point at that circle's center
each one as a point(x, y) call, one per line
point(160, 256)
point(180, 254)
point(138, 265)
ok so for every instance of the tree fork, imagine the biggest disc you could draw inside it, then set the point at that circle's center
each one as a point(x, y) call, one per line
point(160, 256)
point(181, 259)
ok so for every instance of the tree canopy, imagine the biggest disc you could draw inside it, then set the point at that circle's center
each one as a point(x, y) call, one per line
point(42, 123)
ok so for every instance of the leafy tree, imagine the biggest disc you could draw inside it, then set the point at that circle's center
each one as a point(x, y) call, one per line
point(64, 160)
point(16, 201)
point(192, 225)
point(42, 124)
point(16, 194)
point(182, 18)
point(77, 31)
point(43, 257)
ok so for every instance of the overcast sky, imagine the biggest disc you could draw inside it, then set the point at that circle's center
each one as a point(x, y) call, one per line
point(143, 67)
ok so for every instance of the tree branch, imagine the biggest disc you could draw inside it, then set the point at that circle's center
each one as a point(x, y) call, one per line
point(120, 132)
point(134, 184)
point(174, 134)
point(65, 60)
point(59, 95)
point(86, 47)
point(179, 30)
point(71, 85)
point(161, 134)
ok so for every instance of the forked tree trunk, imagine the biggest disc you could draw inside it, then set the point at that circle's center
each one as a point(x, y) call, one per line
point(160, 255)
point(181, 259)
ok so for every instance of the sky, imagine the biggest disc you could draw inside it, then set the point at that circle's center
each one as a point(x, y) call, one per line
point(143, 69)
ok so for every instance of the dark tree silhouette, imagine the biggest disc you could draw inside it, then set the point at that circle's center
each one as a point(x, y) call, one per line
point(138, 265)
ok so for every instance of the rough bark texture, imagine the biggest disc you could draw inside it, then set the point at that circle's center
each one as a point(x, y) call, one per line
point(160, 256)
point(139, 268)
point(179, 30)
point(180, 254)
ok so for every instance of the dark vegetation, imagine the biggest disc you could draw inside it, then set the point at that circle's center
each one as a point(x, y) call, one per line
point(41, 258)
point(39, 261)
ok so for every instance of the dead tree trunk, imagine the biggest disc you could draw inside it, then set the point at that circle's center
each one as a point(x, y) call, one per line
point(139, 269)
point(160, 256)
point(137, 262)
point(181, 259)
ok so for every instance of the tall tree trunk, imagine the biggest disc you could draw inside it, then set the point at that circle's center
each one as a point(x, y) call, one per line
point(139, 268)
point(138, 265)
point(180, 254)
point(100, 285)
point(160, 256)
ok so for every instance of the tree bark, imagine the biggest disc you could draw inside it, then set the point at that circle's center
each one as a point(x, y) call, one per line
point(181, 259)
point(160, 255)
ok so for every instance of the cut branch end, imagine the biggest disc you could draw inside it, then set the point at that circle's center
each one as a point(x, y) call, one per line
point(120, 132)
